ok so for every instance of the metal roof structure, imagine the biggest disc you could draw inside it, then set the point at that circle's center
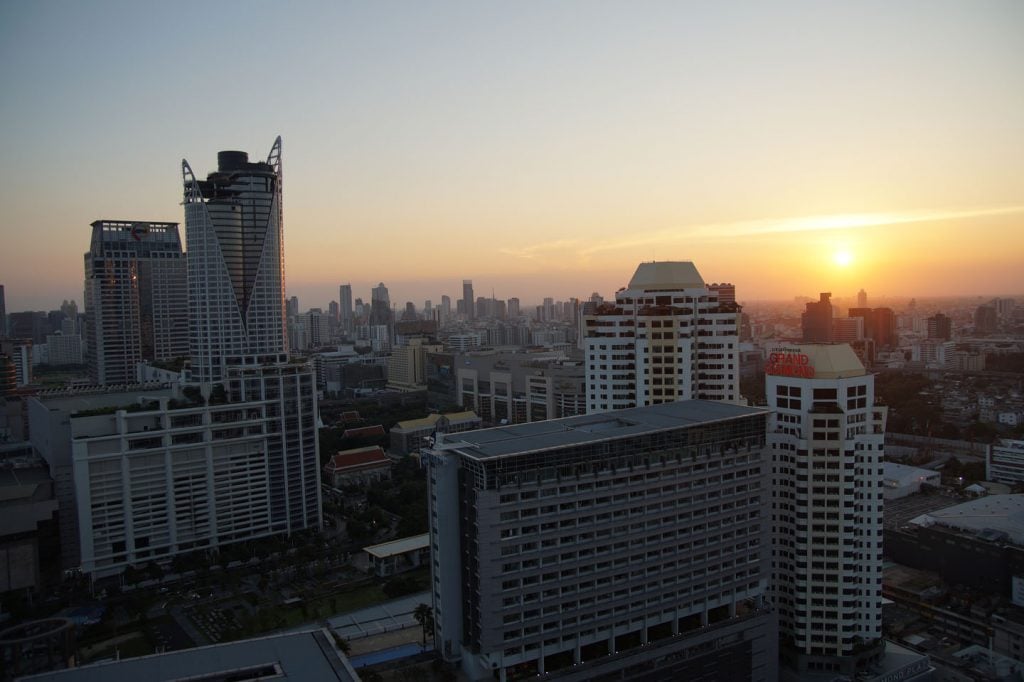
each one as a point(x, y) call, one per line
point(399, 546)
point(559, 433)
point(309, 655)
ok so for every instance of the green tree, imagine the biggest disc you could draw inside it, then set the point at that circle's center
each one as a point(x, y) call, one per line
point(424, 615)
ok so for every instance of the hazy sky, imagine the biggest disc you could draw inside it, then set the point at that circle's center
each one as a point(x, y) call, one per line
point(540, 148)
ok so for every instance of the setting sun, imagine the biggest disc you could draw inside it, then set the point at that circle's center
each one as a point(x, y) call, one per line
point(842, 258)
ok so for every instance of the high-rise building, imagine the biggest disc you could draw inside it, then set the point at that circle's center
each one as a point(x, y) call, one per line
point(726, 292)
point(380, 306)
point(596, 544)
point(879, 325)
point(847, 329)
point(446, 308)
point(940, 327)
point(986, 319)
point(816, 321)
point(347, 311)
point(666, 338)
point(230, 452)
point(291, 307)
point(468, 301)
point(235, 264)
point(862, 299)
point(513, 307)
point(136, 298)
point(826, 438)
point(3, 314)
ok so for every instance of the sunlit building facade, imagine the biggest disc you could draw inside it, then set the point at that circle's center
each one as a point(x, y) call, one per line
point(667, 337)
point(826, 437)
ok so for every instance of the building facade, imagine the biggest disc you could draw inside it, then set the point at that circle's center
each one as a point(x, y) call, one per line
point(826, 439)
point(599, 543)
point(136, 298)
point(667, 337)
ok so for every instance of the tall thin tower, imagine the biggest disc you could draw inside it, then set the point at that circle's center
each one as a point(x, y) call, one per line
point(233, 226)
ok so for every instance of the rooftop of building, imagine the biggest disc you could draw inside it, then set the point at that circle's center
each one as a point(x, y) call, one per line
point(309, 655)
point(399, 546)
point(94, 400)
point(903, 474)
point(365, 432)
point(997, 518)
point(829, 360)
point(358, 457)
point(430, 420)
point(591, 428)
point(666, 276)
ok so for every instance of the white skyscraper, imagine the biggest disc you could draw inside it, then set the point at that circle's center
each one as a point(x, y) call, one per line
point(667, 337)
point(233, 227)
point(826, 437)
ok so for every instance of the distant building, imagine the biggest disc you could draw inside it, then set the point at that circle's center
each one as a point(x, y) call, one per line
point(816, 321)
point(986, 320)
point(29, 533)
point(589, 546)
point(347, 312)
point(468, 301)
point(847, 329)
point(1005, 462)
point(407, 364)
point(862, 299)
point(409, 436)
point(18, 354)
point(940, 327)
point(64, 349)
point(3, 313)
point(667, 337)
point(900, 480)
point(358, 466)
point(515, 387)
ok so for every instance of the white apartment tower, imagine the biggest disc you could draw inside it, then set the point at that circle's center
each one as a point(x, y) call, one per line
point(826, 438)
point(667, 337)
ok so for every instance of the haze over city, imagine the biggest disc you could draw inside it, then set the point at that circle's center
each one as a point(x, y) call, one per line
point(540, 150)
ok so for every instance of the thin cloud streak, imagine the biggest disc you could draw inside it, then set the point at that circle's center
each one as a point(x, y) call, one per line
point(763, 227)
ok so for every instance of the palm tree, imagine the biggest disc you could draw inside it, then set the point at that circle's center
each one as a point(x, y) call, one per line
point(424, 615)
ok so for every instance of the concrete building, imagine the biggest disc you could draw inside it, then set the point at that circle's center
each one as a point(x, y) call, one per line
point(29, 534)
point(826, 438)
point(515, 387)
point(847, 329)
point(297, 656)
point(407, 364)
point(409, 436)
point(398, 556)
point(136, 298)
point(1005, 462)
point(816, 320)
point(468, 301)
point(17, 354)
point(598, 544)
point(667, 337)
point(64, 349)
point(346, 311)
point(940, 327)
point(900, 480)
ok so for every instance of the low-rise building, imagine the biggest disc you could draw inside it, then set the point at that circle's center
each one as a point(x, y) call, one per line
point(397, 556)
point(357, 467)
point(901, 480)
point(411, 435)
point(1005, 462)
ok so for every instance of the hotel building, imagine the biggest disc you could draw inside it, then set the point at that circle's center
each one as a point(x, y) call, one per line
point(596, 544)
point(826, 437)
point(667, 337)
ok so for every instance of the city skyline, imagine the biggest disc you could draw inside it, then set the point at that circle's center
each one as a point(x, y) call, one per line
point(538, 151)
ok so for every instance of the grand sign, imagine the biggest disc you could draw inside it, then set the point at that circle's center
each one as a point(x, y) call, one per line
point(789, 362)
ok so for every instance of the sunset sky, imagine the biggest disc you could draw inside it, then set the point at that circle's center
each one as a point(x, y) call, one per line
point(540, 149)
